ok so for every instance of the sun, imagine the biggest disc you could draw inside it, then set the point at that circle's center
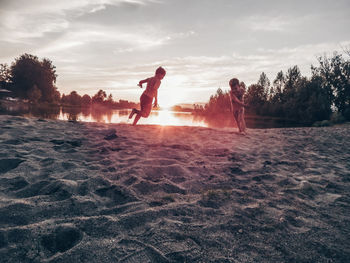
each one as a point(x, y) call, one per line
point(168, 98)
point(170, 92)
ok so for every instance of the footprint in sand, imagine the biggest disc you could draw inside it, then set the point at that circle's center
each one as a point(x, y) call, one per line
point(146, 188)
point(115, 193)
point(57, 190)
point(16, 215)
point(74, 143)
point(3, 242)
point(179, 250)
point(13, 142)
point(9, 164)
point(14, 184)
point(62, 239)
point(215, 152)
point(32, 189)
point(68, 165)
point(264, 177)
point(46, 162)
point(131, 180)
point(66, 146)
point(141, 252)
point(17, 235)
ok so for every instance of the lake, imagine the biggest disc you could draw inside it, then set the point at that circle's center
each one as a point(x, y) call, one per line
point(157, 117)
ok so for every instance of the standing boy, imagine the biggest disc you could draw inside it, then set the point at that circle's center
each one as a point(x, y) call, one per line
point(237, 104)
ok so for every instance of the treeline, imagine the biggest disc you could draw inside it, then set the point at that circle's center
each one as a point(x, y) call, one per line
point(29, 78)
point(99, 99)
point(323, 96)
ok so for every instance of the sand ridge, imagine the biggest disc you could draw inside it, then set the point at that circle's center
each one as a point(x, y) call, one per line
point(91, 192)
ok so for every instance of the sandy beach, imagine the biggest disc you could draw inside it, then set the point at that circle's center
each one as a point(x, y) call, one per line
point(92, 192)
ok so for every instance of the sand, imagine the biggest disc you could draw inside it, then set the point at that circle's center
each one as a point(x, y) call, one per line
point(90, 192)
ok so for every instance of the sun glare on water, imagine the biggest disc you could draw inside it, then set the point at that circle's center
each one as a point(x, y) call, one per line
point(157, 117)
point(167, 117)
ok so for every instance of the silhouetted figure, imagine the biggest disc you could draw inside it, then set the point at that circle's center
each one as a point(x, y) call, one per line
point(237, 104)
point(147, 96)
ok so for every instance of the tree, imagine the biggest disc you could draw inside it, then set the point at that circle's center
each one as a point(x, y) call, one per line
point(27, 71)
point(48, 79)
point(255, 97)
point(99, 97)
point(291, 78)
point(319, 102)
point(74, 99)
point(34, 94)
point(86, 100)
point(64, 99)
point(265, 83)
point(5, 76)
point(335, 73)
point(278, 84)
point(110, 100)
point(218, 103)
point(56, 96)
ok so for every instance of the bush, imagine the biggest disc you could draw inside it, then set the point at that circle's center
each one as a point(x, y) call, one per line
point(347, 114)
point(337, 117)
point(324, 123)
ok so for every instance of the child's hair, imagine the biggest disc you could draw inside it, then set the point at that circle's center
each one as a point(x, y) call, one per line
point(233, 82)
point(161, 71)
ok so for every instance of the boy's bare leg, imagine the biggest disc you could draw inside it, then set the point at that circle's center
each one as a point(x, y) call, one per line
point(241, 119)
point(243, 123)
point(138, 116)
point(133, 111)
point(236, 117)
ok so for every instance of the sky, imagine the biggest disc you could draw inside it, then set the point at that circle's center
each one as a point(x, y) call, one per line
point(202, 44)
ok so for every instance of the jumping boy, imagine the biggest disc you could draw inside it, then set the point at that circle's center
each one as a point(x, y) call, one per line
point(147, 96)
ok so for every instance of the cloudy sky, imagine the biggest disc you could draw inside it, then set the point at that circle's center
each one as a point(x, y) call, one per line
point(112, 44)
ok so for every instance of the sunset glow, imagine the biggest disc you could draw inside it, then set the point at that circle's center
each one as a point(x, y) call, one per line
point(112, 44)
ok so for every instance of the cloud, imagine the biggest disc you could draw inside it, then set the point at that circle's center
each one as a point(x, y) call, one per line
point(21, 20)
point(303, 55)
point(111, 44)
point(200, 76)
point(64, 6)
point(268, 23)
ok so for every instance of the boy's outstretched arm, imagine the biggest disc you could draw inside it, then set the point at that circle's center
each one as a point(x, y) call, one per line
point(143, 81)
point(236, 100)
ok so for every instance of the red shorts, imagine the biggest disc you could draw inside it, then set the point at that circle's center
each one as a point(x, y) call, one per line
point(146, 105)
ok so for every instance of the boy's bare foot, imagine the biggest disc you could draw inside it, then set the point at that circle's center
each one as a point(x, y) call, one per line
point(132, 113)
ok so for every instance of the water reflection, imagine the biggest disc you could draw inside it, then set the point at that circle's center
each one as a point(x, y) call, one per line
point(161, 117)
point(52, 112)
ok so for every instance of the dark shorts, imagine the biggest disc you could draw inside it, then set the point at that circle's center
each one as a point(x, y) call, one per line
point(146, 105)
